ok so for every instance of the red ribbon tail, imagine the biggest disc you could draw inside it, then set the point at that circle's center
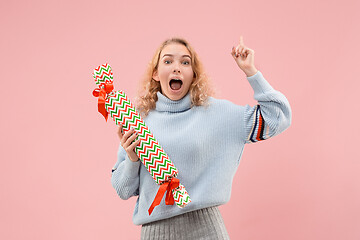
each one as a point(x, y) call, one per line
point(158, 196)
point(101, 94)
point(101, 103)
point(102, 110)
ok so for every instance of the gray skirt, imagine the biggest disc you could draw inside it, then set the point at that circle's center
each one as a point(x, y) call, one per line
point(206, 223)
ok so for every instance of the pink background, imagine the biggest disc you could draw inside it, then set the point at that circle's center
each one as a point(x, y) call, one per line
point(57, 151)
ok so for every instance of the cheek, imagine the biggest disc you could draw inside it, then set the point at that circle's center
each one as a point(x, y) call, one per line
point(191, 74)
point(163, 73)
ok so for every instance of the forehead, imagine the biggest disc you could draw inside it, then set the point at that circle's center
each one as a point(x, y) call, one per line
point(175, 49)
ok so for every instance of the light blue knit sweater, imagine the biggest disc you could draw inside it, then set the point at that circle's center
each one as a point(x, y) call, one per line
point(205, 143)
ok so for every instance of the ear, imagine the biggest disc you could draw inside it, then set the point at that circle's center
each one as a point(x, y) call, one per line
point(155, 76)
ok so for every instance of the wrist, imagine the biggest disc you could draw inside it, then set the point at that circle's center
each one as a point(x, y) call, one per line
point(250, 72)
point(133, 159)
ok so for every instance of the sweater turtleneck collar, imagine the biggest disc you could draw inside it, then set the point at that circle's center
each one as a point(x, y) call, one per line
point(164, 104)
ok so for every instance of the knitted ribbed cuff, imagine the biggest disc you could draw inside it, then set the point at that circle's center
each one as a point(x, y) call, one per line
point(259, 83)
point(131, 169)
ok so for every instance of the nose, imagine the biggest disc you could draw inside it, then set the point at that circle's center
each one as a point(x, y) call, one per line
point(176, 68)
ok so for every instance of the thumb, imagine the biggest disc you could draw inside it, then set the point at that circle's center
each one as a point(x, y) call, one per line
point(120, 132)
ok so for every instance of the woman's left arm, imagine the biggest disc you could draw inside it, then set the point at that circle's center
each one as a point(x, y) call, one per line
point(272, 114)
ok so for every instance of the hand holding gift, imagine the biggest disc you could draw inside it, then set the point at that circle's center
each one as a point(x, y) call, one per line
point(129, 143)
point(148, 150)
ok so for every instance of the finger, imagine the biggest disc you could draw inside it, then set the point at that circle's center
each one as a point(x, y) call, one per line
point(126, 136)
point(233, 55)
point(236, 52)
point(130, 139)
point(134, 144)
point(238, 49)
point(243, 51)
point(128, 133)
point(241, 42)
point(233, 52)
point(249, 51)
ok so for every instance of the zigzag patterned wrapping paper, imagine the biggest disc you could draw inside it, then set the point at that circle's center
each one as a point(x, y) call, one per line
point(149, 151)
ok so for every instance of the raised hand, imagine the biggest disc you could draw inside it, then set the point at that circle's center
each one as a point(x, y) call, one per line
point(244, 58)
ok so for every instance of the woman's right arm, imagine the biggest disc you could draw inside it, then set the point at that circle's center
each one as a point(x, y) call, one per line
point(125, 174)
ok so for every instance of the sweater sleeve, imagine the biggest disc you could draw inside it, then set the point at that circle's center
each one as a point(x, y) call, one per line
point(125, 176)
point(272, 114)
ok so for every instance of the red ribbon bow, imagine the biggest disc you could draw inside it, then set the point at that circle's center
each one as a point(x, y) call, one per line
point(166, 186)
point(101, 94)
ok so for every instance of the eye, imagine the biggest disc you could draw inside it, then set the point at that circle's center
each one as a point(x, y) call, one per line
point(186, 62)
point(167, 61)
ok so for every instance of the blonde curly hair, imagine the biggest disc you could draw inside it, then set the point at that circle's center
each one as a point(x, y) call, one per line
point(200, 88)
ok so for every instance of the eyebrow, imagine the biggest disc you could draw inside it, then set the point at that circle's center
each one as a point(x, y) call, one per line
point(170, 55)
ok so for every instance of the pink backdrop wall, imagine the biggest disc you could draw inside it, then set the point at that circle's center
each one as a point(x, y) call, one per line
point(57, 151)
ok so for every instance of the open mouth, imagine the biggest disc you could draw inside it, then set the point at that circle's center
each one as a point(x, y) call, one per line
point(175, 84)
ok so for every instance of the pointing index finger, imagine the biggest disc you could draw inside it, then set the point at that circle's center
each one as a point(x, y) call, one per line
point(241, 40)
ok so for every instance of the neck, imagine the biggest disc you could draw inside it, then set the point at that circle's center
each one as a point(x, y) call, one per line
point(164, 104)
